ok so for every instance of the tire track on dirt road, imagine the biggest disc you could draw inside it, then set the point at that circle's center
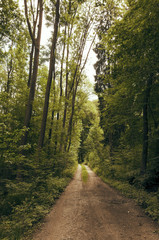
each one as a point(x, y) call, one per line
point(95, 211)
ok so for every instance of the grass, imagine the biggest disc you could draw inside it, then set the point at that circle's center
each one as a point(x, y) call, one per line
point(84, 174)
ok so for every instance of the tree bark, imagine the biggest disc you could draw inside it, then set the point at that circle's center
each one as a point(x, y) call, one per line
point(61, 89)
point(49, 82)
point(66, 93)
point(70, 29)
point(9, 71)
point(76, 80)
point(145, 127)
point(36, 42)
point(52, 117)
point(31, 64)
point(71, 121)
point(33, 36)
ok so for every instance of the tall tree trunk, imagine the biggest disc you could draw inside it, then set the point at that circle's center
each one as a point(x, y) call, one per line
point(31, 64)
point(66, 93)
point(71, 121)
point(76, 80)
point(52, 117)
point(33, 43)
point(50, 132)
point(49, 82)
point(157, 132)
point(9, 82)
point(145, 127)
point(36, 42)
point(61, 74)
point(73, 89)
point(70, 29)
point(9, 71)
point(61, 89)
point(29, 105)
point(145, 140)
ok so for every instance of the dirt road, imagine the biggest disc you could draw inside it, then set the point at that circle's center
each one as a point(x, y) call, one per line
point(94, 211)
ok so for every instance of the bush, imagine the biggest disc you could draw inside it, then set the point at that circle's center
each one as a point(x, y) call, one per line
point(27, 200)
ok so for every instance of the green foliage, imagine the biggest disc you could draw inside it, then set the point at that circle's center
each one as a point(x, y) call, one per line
point(89, 115)
point(10, 19)
point(31, 179)
point(94, 150)
point(28, 200)
point(127, 60)
point(127, 54)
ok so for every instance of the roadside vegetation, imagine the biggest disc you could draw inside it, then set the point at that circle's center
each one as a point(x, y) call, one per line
point(123, 146)
point(84, 174)
point(142, 188)
point(48, 123)
point(28, 201)
point(43, 96)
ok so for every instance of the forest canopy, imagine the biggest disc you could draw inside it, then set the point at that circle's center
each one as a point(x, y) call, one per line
point(48, 122)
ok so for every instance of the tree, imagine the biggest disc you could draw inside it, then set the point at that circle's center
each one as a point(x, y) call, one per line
point(143, 51)
point(78, 68)
point(68, 74)
point(132, 47)
point(110, 11)
point(51, 73)
point(36, 44)
point(92, 146)
point(10, 21)
point(89, 115)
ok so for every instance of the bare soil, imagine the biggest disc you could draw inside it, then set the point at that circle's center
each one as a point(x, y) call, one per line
point(95, 211)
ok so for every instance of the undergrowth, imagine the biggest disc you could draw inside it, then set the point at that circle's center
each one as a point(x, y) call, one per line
point(27, 201)
point(84, 174)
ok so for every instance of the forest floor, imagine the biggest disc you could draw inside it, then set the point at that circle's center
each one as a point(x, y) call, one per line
point(95, 211)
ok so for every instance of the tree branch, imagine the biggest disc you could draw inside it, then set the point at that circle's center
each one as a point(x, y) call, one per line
point(28, 22)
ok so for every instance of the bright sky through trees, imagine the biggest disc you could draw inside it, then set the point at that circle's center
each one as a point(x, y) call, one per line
point(89, 68)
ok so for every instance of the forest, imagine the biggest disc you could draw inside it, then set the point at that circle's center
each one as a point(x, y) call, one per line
point(48, 122)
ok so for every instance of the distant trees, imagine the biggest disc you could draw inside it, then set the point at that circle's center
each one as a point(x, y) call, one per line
point(90, 117)
point(92, 150)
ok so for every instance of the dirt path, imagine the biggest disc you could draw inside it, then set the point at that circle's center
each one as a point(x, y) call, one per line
point(94, 211)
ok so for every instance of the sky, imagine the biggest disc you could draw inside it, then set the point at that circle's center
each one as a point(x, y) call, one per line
point(90, 71)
